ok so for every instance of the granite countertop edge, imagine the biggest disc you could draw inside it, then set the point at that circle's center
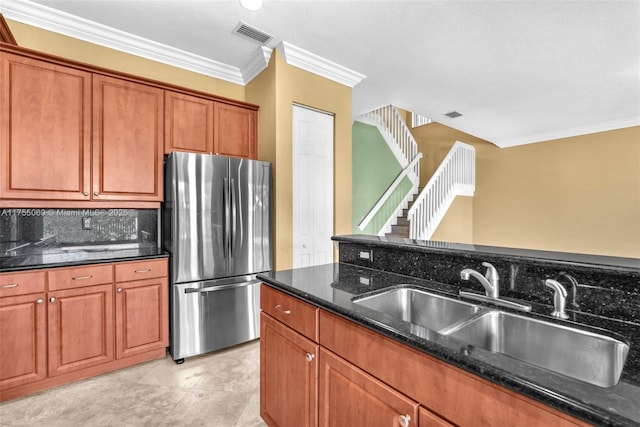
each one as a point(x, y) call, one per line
point(518, 384)
point(95, 258)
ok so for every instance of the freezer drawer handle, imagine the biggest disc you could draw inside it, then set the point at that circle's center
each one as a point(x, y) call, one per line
point(279, 308)
point(12, 285)
point(219, 287)
point(143, 271)
point(81, 277)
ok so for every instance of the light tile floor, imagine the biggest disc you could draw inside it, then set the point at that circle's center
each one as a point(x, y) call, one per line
point(217, 389)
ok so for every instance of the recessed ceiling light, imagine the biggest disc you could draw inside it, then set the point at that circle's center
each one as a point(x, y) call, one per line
point(251, 4)
point(453, 114)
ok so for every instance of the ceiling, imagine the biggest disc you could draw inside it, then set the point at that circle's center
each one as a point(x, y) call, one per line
point(518, 71)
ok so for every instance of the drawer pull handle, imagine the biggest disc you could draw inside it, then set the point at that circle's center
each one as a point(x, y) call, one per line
point(404, 420)
point(12, 285)
point(310, 357)
point(81, 277)
point(143, 271)
point(119, 290)
point(279, 308)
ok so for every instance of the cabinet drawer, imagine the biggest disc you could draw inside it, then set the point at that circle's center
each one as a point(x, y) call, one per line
point(291, 311)
point(69, 278)
point(139, 270)
point(21, 283)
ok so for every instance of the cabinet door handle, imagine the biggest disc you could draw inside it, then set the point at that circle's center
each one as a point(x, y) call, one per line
point(119, 290)
point(95, 193)
point(279, 308)
point(12, 285)
point(52, 299)
point(86, 193)
point(404, 420)
point(143, 271)
point(81, 277)
point(39, 301)
point(310, 357)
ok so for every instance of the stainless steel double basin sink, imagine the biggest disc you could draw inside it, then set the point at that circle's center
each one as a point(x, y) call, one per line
point(576, 353)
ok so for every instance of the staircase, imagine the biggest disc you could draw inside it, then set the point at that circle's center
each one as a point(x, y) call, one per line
point(402, 225)
point(399, 212)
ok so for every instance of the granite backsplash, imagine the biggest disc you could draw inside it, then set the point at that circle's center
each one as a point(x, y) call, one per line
point(23, 231)
point(601, 290)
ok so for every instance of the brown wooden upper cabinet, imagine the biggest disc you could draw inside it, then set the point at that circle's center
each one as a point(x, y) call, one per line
point(235, 131)
point(127, 140)
point(205, 126)
point(49, 149)
point(188, 123)
point(45, 130)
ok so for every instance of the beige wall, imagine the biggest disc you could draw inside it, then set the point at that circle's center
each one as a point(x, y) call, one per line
point(89, 53)
point(579, 194)
point(280, 86)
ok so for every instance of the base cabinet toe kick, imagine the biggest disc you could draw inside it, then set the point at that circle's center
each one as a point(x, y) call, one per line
point(319, 369)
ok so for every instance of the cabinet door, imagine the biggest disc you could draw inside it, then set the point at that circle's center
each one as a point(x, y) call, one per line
point(288, 376)
point(142, 316)
point(235, 131)
point(127, 140)
point(23, 340)
point(351, 397)
point(45, 130)
point(188, 123)
point(80, 328)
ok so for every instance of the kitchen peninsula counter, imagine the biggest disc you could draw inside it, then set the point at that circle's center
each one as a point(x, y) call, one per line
point(333, 287)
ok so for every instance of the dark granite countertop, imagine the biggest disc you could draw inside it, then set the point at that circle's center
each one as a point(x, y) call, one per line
point(68, 256)
point(334, 286)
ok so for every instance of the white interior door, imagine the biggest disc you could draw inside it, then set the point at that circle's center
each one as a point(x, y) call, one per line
point(312, 187)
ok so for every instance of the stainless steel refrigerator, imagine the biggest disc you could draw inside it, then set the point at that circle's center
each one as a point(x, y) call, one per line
point(217, 228)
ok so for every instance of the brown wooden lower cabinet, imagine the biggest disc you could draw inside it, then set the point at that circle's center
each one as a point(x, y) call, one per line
point(288, 376)
point(80, 325)
point(351, 397)
point(75, 331)
point(23, 340)
point(367, 379)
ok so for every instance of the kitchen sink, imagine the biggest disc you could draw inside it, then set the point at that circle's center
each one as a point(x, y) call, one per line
point(586, 356)
point(418, 307)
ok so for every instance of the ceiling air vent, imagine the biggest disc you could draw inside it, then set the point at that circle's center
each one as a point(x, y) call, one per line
point(453, 114)
point(251, 33)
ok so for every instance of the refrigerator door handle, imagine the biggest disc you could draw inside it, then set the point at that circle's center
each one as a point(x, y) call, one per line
point(234, 215)
point(227, 214)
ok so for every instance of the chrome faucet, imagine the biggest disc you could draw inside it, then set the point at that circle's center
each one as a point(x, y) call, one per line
point(559, 298)
point(490, 280)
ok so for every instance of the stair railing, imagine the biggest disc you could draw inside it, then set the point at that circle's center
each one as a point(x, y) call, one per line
point(395, 131)
point(412, 169)
point(454, 177)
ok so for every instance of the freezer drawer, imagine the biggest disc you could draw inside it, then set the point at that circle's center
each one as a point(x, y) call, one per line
point(207, 316)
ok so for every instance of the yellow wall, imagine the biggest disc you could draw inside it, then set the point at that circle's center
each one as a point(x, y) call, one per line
point(280, 86)
point(579, 194)
point(89, 53)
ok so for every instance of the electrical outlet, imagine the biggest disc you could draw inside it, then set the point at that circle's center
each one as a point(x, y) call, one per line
point(368, 255)
point(86, 223)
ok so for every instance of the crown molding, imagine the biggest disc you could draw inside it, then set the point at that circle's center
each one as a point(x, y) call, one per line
point(259, 62)
point(313, 63)
point(568, 133)
point(69, 25)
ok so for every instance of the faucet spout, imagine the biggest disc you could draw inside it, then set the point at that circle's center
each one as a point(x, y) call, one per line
point(489, 281)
